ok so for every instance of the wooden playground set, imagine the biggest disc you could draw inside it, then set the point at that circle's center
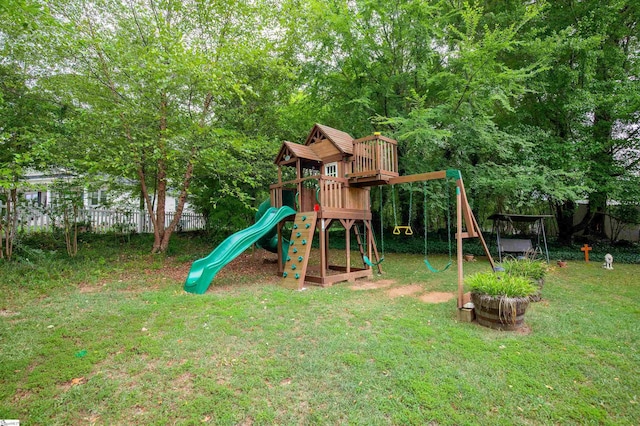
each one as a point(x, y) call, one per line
point(330, 177)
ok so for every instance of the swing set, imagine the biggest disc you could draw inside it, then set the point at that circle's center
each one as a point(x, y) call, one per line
point(464, 216)
point(397, 229)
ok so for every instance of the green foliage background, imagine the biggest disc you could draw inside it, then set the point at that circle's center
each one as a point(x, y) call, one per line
point(537, 103)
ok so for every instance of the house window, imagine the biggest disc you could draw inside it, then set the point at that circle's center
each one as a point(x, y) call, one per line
point(331, 169)
point(31, 196)
point(97, 198)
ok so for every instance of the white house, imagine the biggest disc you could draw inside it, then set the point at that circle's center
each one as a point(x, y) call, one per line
point(103, 209)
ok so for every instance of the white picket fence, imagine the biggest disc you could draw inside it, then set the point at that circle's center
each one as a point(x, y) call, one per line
point(32, 219)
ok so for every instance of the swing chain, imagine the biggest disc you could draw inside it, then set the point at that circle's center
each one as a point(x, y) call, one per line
point(393, 203)
point(426, 225)
point(381, 223)
point(410, 200)
point(396, 228)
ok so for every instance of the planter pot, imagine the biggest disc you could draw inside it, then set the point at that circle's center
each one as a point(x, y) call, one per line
point(500, 313)
point(469, 257)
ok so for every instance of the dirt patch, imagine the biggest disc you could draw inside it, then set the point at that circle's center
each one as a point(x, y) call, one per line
point(259, 264)
point(372, 285)
point(249, 263)
point(408, 290)
point(524, 330)
point(437, 297)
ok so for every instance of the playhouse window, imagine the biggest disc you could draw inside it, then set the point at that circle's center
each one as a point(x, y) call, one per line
point(331, 169)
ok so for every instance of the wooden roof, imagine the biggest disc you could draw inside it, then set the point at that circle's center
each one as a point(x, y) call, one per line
point(342, 140)
point(297, 150)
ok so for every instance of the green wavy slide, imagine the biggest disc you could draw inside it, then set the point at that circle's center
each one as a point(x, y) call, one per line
point(204, 270)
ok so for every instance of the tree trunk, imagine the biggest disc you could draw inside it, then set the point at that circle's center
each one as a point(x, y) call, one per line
point(564, 216)
point(161, 185)
point(11, 224)
point(2, 227)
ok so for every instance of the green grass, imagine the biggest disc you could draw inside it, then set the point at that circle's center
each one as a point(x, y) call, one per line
point(250, 352)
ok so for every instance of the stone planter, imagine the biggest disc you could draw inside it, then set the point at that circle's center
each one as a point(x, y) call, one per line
point(500, 313)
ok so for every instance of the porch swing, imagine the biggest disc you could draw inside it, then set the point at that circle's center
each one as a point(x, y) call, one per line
point(426, 225)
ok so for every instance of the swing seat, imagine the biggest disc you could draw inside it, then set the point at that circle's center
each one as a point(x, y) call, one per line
point(370, 263)
point(432, 269)
point(407, 230)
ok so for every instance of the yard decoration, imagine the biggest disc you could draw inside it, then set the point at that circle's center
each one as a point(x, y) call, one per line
point(608, 261)
point(586, 249)
point(500, 300)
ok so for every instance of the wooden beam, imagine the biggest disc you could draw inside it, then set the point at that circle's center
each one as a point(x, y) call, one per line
point(376, 137)
point(419, 177)
point(332, 279)
point(347, 224)
point(466, 211)
point(322, 245)
point(373, 243)
point(484, 244)
point(459, 247)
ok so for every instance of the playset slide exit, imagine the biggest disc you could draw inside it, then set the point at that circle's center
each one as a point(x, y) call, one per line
point(204, 270)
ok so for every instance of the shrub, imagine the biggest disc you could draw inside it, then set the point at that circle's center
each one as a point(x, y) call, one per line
point(496, 285)
point(535, 270)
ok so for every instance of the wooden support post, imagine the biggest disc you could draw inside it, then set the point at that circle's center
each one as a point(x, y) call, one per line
point(347, 231)
point(370, 241)
point(469, 220)
point(484, 244)
point(373, 244)
point(322, 246)
point(327, 225)
point(459, 246)
point(280, 253)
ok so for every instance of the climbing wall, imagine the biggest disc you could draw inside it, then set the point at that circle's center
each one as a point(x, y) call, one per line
point(296, 259)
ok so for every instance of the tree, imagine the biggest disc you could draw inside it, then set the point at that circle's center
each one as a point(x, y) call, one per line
point(152, 79)
point(587, 102)
point(28, 116)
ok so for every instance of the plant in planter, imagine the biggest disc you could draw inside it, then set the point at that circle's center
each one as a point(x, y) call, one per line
point(533, 270)
point(500, 300)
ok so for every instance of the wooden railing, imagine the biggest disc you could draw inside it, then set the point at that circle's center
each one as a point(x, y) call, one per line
point(328, 192)
point(374, 155)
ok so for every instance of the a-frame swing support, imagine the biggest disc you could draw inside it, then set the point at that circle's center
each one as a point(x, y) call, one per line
point(463, 214)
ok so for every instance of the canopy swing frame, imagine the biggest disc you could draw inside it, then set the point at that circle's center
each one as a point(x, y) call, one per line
point(463, 215)
point(522, 218)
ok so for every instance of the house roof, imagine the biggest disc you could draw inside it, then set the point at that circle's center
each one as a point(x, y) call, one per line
point(300, 151)
point(342, 140)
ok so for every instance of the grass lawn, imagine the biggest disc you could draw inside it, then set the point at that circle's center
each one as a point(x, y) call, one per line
point(111, 338)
